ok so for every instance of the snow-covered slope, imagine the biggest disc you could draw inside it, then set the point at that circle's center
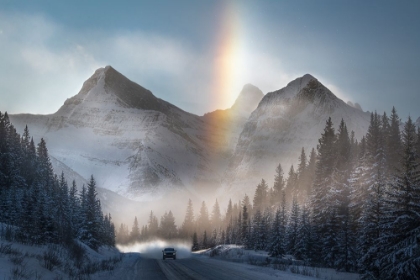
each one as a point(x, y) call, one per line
point(133, 142)
point(285, 121)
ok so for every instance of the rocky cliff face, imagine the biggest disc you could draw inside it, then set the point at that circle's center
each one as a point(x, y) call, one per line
point(285, 121)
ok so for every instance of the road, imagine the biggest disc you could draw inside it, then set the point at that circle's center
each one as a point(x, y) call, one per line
point(136, 266)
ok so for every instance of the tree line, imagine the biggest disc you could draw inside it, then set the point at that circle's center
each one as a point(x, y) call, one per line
point(39, 207)
point(353, 206)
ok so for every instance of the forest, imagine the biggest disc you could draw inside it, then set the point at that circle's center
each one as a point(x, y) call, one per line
point(353, 206)
point(39, 207)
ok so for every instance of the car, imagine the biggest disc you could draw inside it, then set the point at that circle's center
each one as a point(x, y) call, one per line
point(169, 253)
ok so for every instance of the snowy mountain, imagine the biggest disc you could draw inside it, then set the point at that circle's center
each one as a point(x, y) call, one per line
point(285, 121)
point(134, 143)
point(140, 146)
point(227, 124)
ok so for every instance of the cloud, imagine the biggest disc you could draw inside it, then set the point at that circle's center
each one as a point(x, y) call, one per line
point(38, 70)
point(44, 63)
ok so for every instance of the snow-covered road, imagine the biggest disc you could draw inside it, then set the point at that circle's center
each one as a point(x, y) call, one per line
point(136, 266)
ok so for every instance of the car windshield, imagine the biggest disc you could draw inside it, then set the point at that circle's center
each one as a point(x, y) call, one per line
point(169, 249)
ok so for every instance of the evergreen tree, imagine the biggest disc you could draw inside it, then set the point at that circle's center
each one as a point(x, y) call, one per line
point(195, 246)
point(205, 243)
point(187, 227)
point(394, 145)
point(244, 226)
point(322, 184)
point(229, 214)
point(167, 226)
point(203, 221)
point(216, 217)
point(372, 209)
point(400, 257)
point(91, 236)
point(260, 196)
point(278, 186)
point(135, 231)
point(276, 246)
point(293, 226)
point(304, 240)
point(153, 225)
point(292, 188)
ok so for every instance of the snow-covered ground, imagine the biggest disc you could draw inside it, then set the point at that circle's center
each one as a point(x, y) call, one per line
point(143, 261)
point(20, 261)
point(265, 263)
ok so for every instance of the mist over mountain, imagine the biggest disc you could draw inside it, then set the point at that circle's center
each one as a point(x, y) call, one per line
point(228, 124)
point(140, 146)
point(134, 143)
point(285, 121)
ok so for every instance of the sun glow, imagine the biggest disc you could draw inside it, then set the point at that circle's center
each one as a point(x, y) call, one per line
point(230, 58)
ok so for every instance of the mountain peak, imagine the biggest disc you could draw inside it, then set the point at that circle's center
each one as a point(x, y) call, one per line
point(301, 82)
point(107, 86)
point(248, 99)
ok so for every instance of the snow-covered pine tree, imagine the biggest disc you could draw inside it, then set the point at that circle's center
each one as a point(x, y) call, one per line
point(325, 165)
point(292, 187)
point(228, 215)
point(303, 180)
point(260, 197)
point(187, 228)
point(168, 228)
point(195, 245)
point(204, 242)
point(276, 247)
point(203, 220)
point(91, 236)
point(304, 241)
point(340, 195)
point(292, 227)
point(372, 208)
point(216, 217)
point(153, 225)
point(394, 145)
point(278, 186)
point(135, 231)
point(245, 239)
point(400, 241)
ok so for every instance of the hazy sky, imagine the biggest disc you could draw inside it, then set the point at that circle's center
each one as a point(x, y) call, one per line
point(199, 54)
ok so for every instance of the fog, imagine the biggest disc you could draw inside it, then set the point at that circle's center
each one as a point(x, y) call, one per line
point(124, 210)
point(153, 249)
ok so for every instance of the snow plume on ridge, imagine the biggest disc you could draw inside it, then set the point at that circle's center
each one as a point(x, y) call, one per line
point(153, 249)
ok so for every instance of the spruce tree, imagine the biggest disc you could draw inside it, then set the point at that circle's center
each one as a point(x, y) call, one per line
point(323, 179)
point(195, 245)
point(394, 145)
point(400, 258)
point(135, 231)
point(278, 186)
point(167, 226)
point(276, 246)
point(304, 241)
point(244, 226)
point(187, 227)
point(216, 217)
point(293, 226)
point(203, 220)
point(260, 196)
